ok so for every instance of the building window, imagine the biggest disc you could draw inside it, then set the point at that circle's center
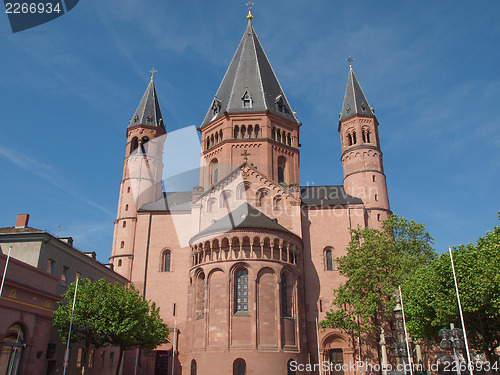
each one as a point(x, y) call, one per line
point(79, 358)
point(193, 367)
point(261, 197)
point(273, 134)
point(134, 144)
point(250, 131)
point(200, 293)
point(278, 137)
point(281, 169)
point(239, 367)
point(214, 171)
point(284, 300)
point(167, 255)
point(126, 206)
point(349, 139)
point(128, 191)
point(103, 357)
point(354, 138)
point(144, 145)
point(329, 260)
point(236, 132)
point(241, 292)
point(124, 225)
point(257, 129)
point(119, 262)
point(289, 139)
point(91, 358)
point(122, 244)
point(247, 100)
point(376, 197)
point(51, 267)
point(280, 104)
point(65, 274)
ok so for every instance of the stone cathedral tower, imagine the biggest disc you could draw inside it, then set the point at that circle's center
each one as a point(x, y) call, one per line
point(243, 264)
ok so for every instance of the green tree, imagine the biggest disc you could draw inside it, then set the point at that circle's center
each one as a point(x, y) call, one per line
point(109, 314)
point(430, 297)
point(377, 261)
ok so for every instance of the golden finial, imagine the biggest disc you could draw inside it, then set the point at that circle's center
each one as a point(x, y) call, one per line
point(249, 5)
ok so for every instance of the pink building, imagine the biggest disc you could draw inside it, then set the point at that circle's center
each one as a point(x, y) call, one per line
point(26, 306)
point(243, 264)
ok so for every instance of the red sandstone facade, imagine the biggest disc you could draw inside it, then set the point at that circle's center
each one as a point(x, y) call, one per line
point(244, 264)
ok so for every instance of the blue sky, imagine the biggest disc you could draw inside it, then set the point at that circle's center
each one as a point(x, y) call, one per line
point(430, 69)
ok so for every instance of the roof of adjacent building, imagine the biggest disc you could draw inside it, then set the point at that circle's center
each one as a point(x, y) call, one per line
point(245, 216)
point(148, 112)
point(326, 196)
point(355, 102)
point(171, 201)
point(249, 76)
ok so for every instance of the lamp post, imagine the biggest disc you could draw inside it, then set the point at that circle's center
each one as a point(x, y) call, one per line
point(400, 348)
point(452, 339)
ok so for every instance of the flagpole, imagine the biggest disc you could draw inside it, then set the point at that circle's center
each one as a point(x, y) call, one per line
point(317, 339)
point(406, 332)
point(70, 326)
point(5, 271)
point(173, 346)
point(469, 365)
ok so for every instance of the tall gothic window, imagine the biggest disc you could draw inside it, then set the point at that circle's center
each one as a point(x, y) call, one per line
point(256, 131)
point(200, 296)
point(329, 260)
point(284, 300)
point(214, 171)
point(236, 132)
point(281, 169)
point(167, 256)
point(194, 369)
point(241, 292)
point(239, 367)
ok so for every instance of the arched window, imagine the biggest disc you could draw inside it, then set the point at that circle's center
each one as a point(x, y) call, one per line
point(224, 198)
point(241, 290)
point(211, 205)
point(277, 203)
point(208, 143)
point(167, 257)
point(349, 139)
point(278, 137)
point(194, 370)
point(216, 138)
point(128, 189)
point(250, 131)
point(366, 135)
point(257, 129)
point(239, 367)
point(261, 197)
point(126, 207)
point(119, 262)
point(134, 144)
point(122, 244)
point(12, 349)
point(281, 169)
point(329, 260)
point(200, 296)
point(214, 171)
point(241, 192)
point(284, 297)
point(124, 225)
point(144, 145)
point(243, 131)
point(220, 135)
point(354, 138)
point(212, 140)
point(289, 139)
point(273, 134)
point(289, 367)
point(236, 132)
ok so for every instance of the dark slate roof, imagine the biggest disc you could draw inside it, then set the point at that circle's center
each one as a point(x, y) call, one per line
point(245, 216)
point(355, 102)
point(172, 201)
point(249, 75)
point(148, 112)
point(326, 196)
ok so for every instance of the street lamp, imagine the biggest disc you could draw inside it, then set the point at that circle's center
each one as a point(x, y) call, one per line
point(400, 343)
point(452, 339)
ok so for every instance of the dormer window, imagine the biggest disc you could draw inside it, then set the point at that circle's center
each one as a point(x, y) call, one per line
point(247, 100)
point(216, 105)
point(280, 104)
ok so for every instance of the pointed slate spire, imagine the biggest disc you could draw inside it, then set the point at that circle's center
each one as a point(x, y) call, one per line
point(148, 112)
point(355, 102)
point(249, 84)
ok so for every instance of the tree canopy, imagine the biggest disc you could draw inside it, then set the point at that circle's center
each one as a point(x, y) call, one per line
point(109, 314)
point(431, 302)
point(376, 263)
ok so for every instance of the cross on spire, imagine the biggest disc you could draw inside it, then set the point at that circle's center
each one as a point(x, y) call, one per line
point(245, 155)
point(349, 60)
point(153, 71)
point(249, 5)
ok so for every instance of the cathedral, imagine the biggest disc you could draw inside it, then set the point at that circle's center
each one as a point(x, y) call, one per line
point(243, 265)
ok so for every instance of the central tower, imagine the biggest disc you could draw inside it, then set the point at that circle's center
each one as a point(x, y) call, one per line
point(250, 119)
